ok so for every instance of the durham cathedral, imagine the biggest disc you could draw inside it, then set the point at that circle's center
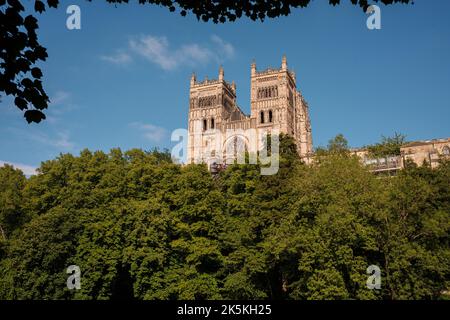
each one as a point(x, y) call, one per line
point(219, 130)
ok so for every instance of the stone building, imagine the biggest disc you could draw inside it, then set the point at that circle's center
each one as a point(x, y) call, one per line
point(219, 130)
point(419, 152)
point(429, 151)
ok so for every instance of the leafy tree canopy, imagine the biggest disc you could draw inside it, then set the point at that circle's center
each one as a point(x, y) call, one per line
point(142, 227)
point(336, 146)
point(389, 146)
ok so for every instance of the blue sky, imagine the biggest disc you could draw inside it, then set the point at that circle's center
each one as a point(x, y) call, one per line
point(123, 79)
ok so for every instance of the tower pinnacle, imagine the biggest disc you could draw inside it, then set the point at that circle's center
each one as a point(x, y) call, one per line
point(253, 67)
point(221, 73)
point(193, 79)
point(284, 62)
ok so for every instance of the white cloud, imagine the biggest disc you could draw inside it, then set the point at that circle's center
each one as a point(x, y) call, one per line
point(119, 58)
point(225, 48)
point(61, 141)
point(26, 169)
point(193, 54)
point(150, 132)
point(155, 50)
point(158, 51)
point(59, 97)
point(59, 104)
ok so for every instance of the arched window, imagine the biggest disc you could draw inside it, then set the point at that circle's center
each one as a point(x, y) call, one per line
point(212, 123)
point(446, 150)
point(270, 115)
point(267, 92)
point(262, 117)
point(205, 125)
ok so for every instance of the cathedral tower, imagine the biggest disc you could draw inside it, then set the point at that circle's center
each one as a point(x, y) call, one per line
point(275, 103)
point(212, 103)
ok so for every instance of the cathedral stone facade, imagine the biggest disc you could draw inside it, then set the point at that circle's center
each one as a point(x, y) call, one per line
point(218, 129)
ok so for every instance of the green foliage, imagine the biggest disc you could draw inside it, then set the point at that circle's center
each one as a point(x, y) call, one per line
point(142, 227)
point(389, 146)
point(12, 182)
point(336, 146)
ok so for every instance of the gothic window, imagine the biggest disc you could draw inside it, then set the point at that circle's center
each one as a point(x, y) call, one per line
point(212, 123)
point(227, 104)
point(291, 98)
point(446, 150)
point(208, 101)
point(267, 92)
point(205, 125)
point(261, 117)
point(270, 115)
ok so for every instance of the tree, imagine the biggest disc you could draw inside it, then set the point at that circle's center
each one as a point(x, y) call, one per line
point(35, 265)
point(415, 234)
point(20, 50)
point(338, 144)
point(12, 216)
point(142, 227)
point(389, 146)
point(326, 239)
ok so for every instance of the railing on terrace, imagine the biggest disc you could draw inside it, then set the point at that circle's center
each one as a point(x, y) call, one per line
point(391, 163)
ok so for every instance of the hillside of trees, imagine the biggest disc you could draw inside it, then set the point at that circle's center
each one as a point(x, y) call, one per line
point(142, 227)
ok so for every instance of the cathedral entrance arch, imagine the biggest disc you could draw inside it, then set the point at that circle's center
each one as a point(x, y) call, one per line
point(235, 148)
